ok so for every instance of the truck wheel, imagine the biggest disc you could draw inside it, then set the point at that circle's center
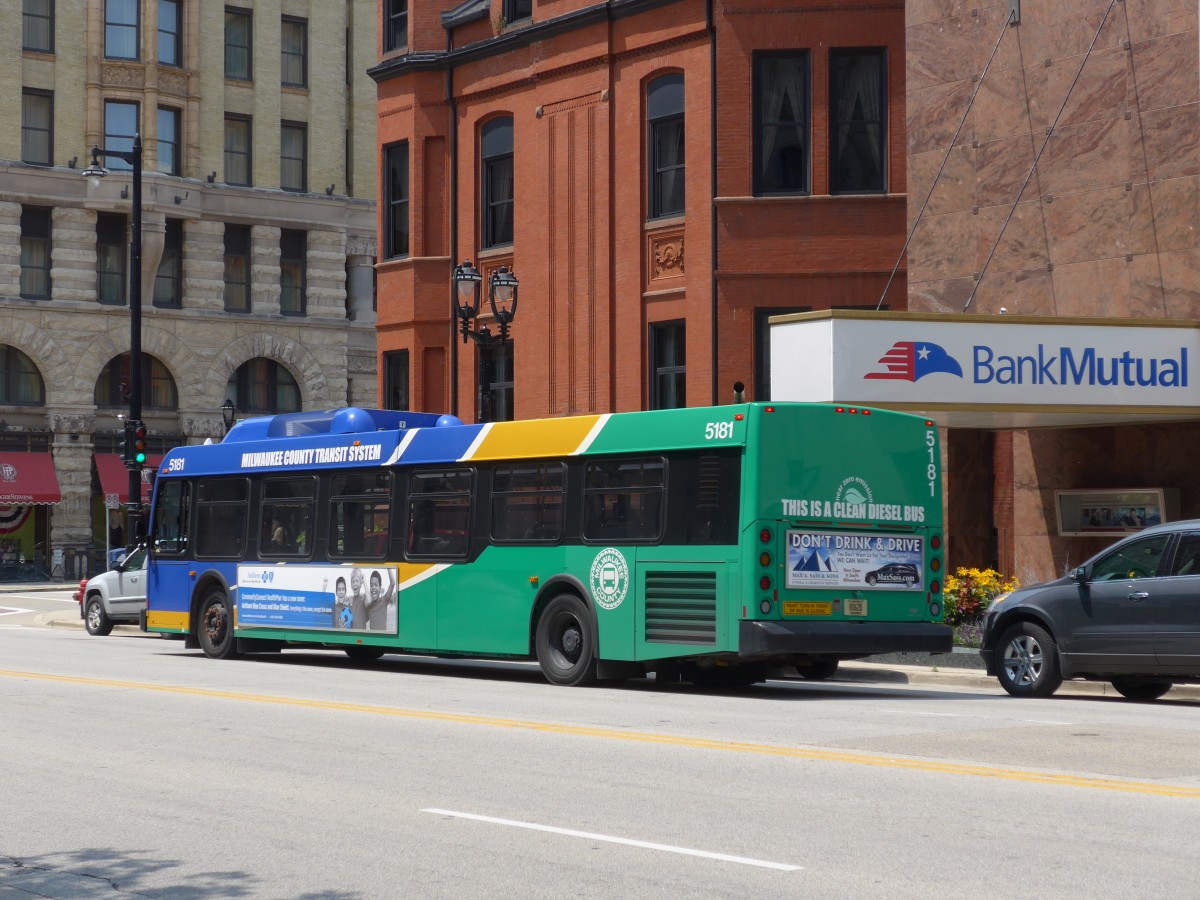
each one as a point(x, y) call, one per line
point(566, 642)
point(214, 629)
point(96, 619)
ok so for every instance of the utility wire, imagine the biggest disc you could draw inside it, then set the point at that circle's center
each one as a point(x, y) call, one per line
point(1033, 168)
point(1012, 14)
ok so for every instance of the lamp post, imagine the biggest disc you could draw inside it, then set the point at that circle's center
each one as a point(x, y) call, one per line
point(228, 411)
point(502, 297)
point(94, 172)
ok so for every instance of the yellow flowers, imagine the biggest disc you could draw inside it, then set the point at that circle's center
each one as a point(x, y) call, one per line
point(969, 592)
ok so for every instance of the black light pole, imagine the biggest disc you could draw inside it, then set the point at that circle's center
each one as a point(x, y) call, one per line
point(95, 171)
point(228, 412)
point(502, 296)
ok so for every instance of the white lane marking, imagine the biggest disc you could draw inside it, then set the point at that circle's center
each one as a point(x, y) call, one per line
point(898, 712)
point(722, 857)
point(13, 610)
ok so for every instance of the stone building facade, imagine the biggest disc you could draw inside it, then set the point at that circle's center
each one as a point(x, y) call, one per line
point(258, 233)
point(661, 175)
point(1054, 170)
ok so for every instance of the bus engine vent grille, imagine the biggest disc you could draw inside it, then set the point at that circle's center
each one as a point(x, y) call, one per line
point(681, 607)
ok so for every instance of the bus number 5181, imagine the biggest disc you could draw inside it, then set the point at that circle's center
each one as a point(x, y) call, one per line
point(718, 431)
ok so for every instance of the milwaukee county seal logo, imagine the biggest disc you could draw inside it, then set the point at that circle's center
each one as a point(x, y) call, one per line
point(610, 578)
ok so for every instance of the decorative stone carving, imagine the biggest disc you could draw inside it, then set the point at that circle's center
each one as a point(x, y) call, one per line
point(72, 423)
point(360, 245)
point(202, 427)
point(360, 365)
point(117, 75)
point(667, 254)
point(170, 82)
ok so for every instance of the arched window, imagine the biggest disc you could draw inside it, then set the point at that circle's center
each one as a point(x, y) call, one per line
point(20, 381)
point(263, 387)
point(664, 115)
point(496, 152)
point(158, 387)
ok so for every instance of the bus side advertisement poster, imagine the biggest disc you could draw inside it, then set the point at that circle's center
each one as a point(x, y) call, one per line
point(817, 559)
point(324, 598)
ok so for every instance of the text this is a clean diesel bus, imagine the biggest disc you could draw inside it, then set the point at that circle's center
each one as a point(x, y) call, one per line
point(709, 544)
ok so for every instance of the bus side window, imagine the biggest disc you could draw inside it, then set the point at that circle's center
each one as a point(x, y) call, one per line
point(439, 513)
point(174, 504)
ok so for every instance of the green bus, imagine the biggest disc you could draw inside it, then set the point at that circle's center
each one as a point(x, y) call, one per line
point(713, 545)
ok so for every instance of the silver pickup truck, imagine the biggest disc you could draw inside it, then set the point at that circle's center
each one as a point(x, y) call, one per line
point(116, 596)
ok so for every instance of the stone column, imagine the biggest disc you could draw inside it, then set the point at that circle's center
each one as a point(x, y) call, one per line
point(71, 521)
point(203, 265)
point(10, 249)
point(327, 274)
point(73, 258)
point(264, 269)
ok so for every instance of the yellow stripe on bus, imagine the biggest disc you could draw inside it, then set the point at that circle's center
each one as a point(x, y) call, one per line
point(551, 437)
point(176, 621)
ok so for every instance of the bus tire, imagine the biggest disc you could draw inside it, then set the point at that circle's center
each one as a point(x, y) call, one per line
point(214, 626)
point(361, 653)
point(566, 642)
point(96, 619)
point(819, 670)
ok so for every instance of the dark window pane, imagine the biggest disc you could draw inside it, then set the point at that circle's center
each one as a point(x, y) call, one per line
point(168, 140)
point(121, 29)
point(858, 121)
point(286, 519)
point(396, 176)
point(294, 49)
point(237, 269)
point(168, 32)
point(497, 148)
point(293, 166)
point(237, 151)
point(37, 25)
point(120, 127)
point(35, 253)
point(781, 105)
point(623, 499)
point(168, 282)
point(527, 502)
point(20, 381)
point(396, 35)
point(668, 365)
point(395, 380)
point(237, 44)
point(37, 127)
point(222, 507)
point(439, 509)
point(111, 249)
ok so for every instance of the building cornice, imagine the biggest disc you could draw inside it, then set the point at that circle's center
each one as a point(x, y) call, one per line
point(433, 60)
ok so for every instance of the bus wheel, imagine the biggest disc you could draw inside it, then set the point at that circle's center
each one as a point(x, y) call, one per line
point(566, 643)
point(818, 671)
point(359, 653)
point(215, 628)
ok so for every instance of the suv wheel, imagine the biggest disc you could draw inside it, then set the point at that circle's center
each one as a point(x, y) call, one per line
point(1027, 661)
point(95, 618)
point(1141, 688)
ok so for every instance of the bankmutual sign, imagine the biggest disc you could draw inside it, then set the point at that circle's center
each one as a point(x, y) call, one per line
point(924, 360)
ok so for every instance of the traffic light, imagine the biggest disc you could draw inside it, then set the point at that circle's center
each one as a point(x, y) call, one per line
point(139, 443)
point(127, 443)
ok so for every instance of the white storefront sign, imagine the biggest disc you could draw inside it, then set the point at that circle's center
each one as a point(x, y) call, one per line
point(1074, 366)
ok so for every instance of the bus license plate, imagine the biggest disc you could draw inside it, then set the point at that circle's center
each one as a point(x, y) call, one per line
point(795, 608)
point(856, 607)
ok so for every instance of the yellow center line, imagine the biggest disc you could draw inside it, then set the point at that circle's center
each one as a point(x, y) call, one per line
point(806, 753)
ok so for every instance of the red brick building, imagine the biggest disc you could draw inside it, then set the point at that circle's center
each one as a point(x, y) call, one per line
point(661, 176)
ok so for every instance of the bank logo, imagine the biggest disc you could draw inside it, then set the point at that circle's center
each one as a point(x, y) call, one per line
point(913, 360)
point(8, 472)
point(609, 578)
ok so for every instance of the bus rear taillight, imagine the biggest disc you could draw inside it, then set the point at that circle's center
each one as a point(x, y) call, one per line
point(764, 559)
point(936, 542)
point(935, 564)
point(765, 535)
point(935, 587)
point(765, 582)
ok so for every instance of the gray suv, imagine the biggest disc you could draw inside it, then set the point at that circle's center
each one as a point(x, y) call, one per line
point(1129, 615)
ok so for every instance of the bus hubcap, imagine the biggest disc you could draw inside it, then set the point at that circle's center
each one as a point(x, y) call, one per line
point(571, 639)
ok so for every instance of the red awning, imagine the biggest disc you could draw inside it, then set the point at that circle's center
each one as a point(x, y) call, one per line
point(27, 478)
point(114, 478)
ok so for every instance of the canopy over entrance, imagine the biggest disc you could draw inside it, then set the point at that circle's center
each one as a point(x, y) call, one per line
point(28, 478)
point(992, 372)
point(114, 478)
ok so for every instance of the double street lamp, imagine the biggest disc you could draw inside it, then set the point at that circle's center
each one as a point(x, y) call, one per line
point(502, 297)
point(134, 429)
